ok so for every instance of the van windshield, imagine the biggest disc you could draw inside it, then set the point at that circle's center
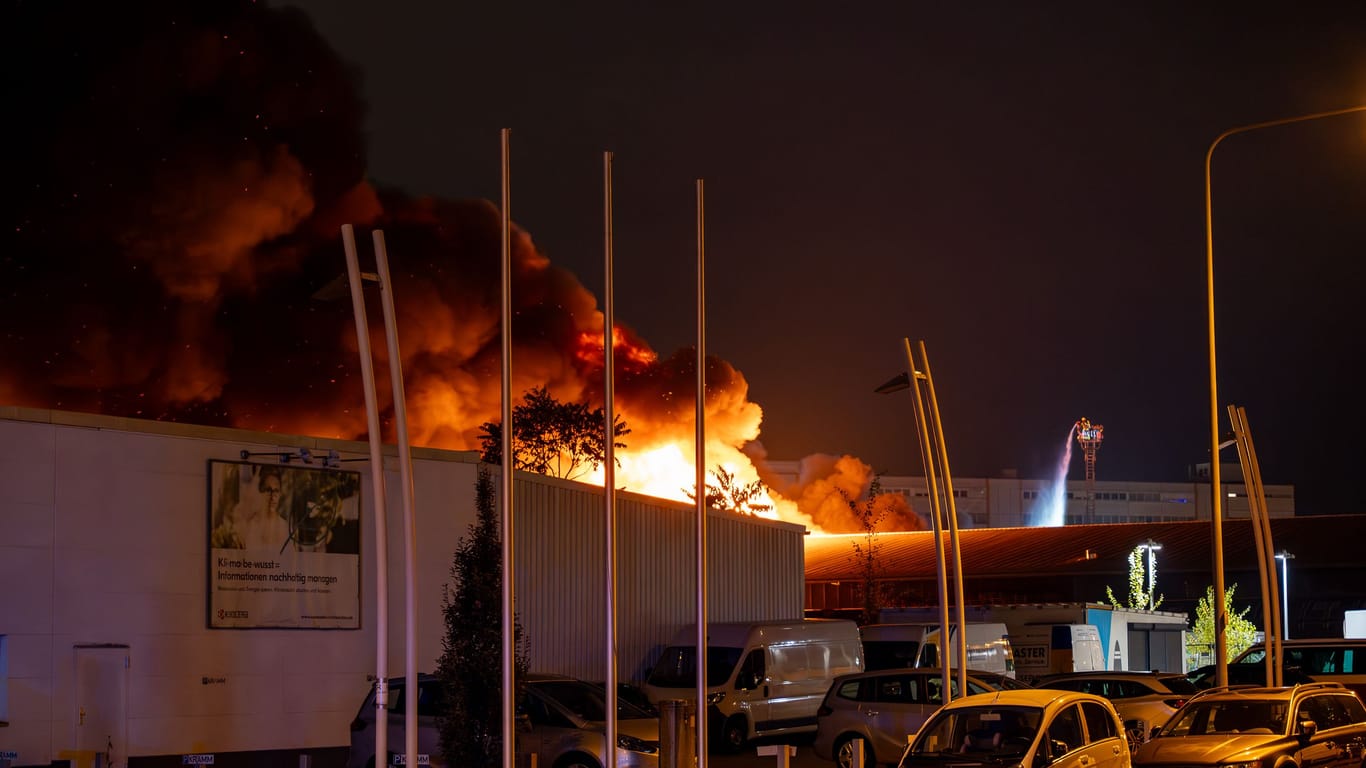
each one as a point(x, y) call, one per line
point(677, 667)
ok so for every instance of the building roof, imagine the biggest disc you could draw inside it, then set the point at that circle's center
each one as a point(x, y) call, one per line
point(1330, 541)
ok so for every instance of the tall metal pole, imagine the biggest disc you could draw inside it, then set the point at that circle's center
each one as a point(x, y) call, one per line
point(1216, 487)
point(927, 457)
point(962, 640)
point(367, 374)
point(405, 472)
point(1266, 556)
point(609, 470)
point(509, 631)
point(700, 462)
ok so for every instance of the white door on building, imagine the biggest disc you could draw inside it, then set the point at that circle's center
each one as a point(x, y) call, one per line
point(101, 715)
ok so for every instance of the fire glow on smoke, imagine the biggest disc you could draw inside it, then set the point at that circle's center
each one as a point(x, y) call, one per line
point(186, 178)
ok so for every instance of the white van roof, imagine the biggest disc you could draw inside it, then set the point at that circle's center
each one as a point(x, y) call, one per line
point(743, 634)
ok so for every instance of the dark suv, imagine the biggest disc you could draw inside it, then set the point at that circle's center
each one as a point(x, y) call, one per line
point(1317, 724)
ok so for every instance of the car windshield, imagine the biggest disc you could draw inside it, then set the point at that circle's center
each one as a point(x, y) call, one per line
point(985, 733)
point(1227, 716)
point(677, 667)
point(587, 701)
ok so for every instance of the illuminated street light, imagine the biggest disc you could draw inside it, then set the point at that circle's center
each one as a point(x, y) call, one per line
point(1285, 558)
point(1216, 502)
point(1151, 547)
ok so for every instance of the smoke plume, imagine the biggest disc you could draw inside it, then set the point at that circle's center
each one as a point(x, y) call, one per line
point(187, 168)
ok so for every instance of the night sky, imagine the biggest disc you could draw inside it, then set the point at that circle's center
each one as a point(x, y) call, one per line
point(1017, 184)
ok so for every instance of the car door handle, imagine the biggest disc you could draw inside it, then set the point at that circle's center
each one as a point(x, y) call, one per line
point(871, 713)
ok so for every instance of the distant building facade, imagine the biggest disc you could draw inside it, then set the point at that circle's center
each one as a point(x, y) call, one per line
point(1013, 502)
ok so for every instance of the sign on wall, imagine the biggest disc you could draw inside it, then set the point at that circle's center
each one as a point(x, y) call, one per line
point(284, 547)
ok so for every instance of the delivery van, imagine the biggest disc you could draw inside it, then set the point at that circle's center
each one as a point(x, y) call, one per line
point(1050, 649)
point(987, 643)
point(892, 646)
point(763, 678)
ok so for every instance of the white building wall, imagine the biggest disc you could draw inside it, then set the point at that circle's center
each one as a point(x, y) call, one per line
point(103, 540)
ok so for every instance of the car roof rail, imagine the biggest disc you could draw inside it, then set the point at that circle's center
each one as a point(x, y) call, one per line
point(1220, 689)
point(1316, 685)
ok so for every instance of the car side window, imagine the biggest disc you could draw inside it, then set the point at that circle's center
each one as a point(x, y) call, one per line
point(1319, 709)
point(850, 690)
point(1355, 710)
point(891, 690)
point(1333, 710)
point(430, 699)
point(1099, 724)
point(541, 713)
point(1066, 729)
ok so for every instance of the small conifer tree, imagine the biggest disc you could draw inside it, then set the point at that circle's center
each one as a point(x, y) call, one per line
point(470, 668)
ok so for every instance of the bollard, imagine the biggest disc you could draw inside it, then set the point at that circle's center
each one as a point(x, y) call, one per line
point(677, 737)
point(783, 751)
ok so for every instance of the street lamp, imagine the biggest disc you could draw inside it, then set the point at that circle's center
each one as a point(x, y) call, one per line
point(1216, 502)
point(1151, 547)
point(1285, 558)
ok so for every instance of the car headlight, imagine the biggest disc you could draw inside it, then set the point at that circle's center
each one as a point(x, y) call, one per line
point(716, 698)
point(633, 744)
point(1242, 764)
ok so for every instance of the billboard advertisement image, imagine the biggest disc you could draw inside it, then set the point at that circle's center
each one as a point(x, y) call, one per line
point(284, 547)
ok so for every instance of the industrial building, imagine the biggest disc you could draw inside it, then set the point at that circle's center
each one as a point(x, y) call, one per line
point(1320, 556)
point(130, 623)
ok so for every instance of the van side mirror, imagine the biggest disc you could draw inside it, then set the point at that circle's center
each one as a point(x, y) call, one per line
point(1307, 729)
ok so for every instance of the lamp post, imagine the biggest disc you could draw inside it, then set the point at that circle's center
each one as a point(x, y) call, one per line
point(1216, 508)
point(1151, 547)
point(1285, 558)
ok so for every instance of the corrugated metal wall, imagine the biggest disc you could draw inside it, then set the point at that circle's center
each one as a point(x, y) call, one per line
point(755, 571)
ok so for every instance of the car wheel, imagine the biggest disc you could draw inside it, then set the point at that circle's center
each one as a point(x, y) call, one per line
point(734, 734)
point(577, 760)
point(844, 752)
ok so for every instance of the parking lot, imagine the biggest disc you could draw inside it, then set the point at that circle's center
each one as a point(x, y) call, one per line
point(804, 758)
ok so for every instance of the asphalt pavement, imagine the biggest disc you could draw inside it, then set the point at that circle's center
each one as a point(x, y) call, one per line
point(749, 758)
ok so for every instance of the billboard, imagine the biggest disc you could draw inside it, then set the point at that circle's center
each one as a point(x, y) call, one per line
point(284, 547)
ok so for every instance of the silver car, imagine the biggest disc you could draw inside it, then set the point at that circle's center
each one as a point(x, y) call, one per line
point(560, 719)
point(1149, 697)
point(882, 708)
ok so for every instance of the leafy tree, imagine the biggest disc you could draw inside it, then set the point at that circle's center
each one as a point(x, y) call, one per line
point(1139, 596)
point(869, 515)
point(1238, 635)
point(733, 496)
point(470, 667)
point(553, 438)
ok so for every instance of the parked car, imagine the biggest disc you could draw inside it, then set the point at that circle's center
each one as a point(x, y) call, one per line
point(998, 681)
point(560, 720)
point(1317, 724)
point(881, 708)
point(1029, 727)
point(1323, 660)
point(1148, 697)
point(1253, 674)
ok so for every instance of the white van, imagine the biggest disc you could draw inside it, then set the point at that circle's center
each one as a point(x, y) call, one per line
point(988, 648)
point(1057, 649)
point(892, 646)
point(763, 679)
